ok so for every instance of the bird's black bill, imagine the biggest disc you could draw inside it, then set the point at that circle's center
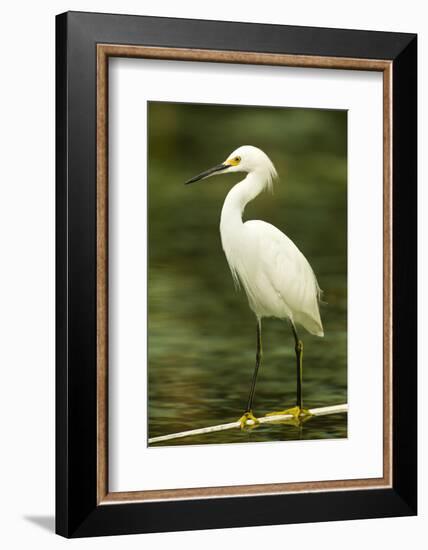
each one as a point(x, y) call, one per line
point(218, 168)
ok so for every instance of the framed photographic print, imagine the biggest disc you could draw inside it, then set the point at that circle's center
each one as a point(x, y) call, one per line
point(236, 274)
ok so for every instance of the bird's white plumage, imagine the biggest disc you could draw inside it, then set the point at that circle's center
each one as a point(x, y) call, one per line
point(277, 278)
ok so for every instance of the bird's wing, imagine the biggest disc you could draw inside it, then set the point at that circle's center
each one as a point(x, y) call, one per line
point(289, 273)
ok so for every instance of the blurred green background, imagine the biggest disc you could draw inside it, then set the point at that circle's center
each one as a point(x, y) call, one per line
point(202, 334)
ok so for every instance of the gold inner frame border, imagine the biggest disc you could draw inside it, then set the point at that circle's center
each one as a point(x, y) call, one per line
point(104, 52)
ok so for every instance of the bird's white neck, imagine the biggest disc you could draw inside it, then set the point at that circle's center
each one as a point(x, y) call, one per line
point(237, 199)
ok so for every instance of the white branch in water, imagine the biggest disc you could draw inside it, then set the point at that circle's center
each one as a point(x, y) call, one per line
point(321, 411)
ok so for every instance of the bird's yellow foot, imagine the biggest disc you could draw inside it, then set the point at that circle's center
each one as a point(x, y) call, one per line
point(248, 420)
point(296, 412)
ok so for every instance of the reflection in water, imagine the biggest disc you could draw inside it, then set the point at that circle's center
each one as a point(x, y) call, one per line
point(201, 331)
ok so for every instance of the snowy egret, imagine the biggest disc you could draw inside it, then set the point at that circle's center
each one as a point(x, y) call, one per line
point(276, 276)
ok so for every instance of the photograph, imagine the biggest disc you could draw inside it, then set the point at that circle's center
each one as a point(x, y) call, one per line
point(247, 273)
point(212, 275)
point(235, 275)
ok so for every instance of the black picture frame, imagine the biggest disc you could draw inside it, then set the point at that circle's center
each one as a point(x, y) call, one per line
point(78, 513)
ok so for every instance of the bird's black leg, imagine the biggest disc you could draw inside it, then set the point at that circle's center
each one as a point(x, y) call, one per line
point(256, 369)
point(248, 415)
point(298, 413)
point(299, 366)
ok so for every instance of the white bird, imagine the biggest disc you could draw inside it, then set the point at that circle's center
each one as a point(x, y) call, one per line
point(277, 278)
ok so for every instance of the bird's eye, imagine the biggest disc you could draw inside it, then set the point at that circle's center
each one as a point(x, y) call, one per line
point(234, 161)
